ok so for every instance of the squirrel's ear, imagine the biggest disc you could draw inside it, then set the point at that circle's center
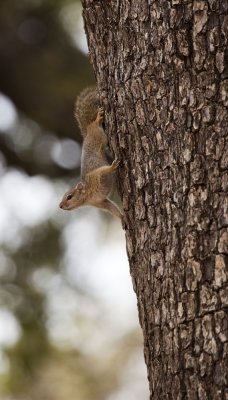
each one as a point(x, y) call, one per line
point(81, 186)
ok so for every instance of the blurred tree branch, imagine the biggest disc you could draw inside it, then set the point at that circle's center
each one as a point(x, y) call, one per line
point(41, 71)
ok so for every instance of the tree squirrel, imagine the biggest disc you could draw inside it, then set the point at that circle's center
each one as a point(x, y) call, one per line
point(96, 174)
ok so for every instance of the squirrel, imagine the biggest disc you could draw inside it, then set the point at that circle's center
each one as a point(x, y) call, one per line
point(96, 180)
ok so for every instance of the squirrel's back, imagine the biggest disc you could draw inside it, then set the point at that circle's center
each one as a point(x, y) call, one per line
point(86, 108)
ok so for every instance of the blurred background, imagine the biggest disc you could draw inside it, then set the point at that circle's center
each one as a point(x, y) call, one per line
point(68, 318)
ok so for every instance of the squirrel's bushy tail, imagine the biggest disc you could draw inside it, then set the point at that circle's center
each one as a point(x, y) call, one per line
point(86, 108)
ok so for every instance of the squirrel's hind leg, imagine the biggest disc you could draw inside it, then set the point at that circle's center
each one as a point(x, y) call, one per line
point(100, 116)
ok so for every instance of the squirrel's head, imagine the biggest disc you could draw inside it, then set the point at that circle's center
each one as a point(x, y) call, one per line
point(75, 198)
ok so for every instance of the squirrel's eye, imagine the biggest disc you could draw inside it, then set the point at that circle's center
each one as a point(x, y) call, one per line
point(69, 196)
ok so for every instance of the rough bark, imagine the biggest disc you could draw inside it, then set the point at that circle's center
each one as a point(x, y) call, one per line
point(160, 68)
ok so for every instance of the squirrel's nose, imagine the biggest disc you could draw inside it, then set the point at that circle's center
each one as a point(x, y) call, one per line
point(61, 206)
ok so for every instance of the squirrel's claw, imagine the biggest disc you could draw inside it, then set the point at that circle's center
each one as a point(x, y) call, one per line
point(100, 116)
point(115, 164)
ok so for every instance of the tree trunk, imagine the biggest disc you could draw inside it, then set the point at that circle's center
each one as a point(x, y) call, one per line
point(160, 68)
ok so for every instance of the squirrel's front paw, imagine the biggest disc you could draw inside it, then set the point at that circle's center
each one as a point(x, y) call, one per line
point(115, 164)
point(100, 116)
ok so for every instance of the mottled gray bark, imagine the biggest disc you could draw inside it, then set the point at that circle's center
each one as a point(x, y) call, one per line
point(160, 68)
